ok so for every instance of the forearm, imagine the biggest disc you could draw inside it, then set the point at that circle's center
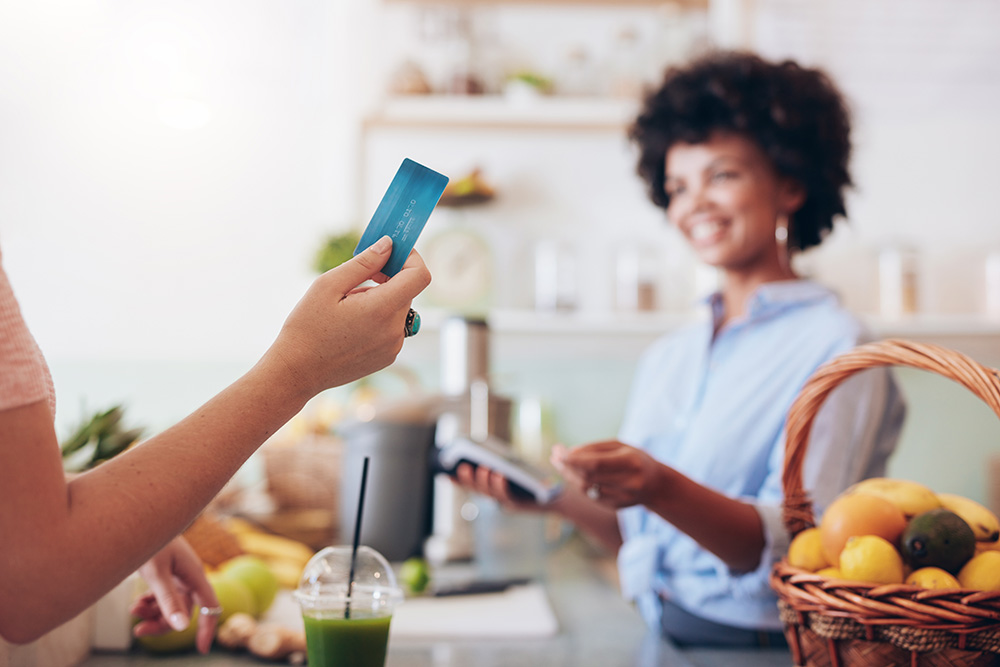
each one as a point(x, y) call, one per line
point(599, 522)
point(170, 477)
point(729, 528)
point(70, 541)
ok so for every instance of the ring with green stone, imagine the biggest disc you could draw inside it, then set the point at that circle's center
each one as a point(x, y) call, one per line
point(412, 323)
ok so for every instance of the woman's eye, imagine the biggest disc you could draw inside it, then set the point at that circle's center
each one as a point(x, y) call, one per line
point(724, 175)
point(674, 190)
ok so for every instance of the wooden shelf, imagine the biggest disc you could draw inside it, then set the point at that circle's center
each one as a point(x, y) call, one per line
point(499, 112)
point(531, 322)
point(692, 4)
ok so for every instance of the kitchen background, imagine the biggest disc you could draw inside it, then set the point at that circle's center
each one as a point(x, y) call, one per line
point(168, 172)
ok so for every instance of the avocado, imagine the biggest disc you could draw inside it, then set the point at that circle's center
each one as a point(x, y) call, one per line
point(938, 538)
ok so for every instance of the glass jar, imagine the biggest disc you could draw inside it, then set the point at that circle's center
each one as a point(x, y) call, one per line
point(898, 282)
point(635, 279)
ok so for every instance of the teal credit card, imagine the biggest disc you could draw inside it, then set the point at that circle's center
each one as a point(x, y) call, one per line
point(403, 211)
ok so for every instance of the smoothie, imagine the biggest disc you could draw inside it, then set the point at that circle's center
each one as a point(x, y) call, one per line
point(335, 641)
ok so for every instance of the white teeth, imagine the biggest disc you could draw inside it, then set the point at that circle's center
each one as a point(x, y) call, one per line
point(704, 230)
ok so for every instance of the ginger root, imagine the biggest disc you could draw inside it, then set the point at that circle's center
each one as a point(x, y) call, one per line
point(236, 631)
point(276, 642)
point(269, 641)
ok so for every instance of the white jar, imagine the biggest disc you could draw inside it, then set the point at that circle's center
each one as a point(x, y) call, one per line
point(898, 278)
point(992, 271)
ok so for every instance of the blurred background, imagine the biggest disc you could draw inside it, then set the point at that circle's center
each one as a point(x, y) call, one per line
point(170, 171)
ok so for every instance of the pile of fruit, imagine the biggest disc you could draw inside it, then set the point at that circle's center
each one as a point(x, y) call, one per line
point(889, 531)
point(286, 557)
point(246, 567)
point(244, 585)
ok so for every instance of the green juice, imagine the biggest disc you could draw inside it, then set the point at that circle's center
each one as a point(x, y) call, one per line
point(347, 642)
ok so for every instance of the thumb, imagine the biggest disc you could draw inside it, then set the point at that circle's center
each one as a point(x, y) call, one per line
point(364, 265)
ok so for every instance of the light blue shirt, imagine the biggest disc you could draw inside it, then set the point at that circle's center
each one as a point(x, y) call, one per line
point(714, 409)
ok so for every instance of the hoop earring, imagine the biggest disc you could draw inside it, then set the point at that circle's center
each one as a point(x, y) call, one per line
point(781, 236)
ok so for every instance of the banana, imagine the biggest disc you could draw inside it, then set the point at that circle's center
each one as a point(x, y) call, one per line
point(274, 546)
point(236, 525)
point(983, 522)
point(911, 498)
point(987, 546)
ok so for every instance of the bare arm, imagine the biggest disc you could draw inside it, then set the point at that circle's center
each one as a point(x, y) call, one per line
point(625, 476)
point(65, 543)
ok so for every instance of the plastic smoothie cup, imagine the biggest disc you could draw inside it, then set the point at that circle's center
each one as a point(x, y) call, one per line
point(347, 620)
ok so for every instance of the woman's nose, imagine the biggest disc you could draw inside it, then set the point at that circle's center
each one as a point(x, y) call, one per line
point(699, 197)
point(695, 200)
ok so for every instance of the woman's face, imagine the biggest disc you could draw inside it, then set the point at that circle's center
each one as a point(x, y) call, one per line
point(725, 198)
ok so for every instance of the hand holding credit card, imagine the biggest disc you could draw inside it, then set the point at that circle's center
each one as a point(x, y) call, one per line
point(403, 212)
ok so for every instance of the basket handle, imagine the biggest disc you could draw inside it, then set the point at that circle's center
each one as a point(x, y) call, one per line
point(981, 380)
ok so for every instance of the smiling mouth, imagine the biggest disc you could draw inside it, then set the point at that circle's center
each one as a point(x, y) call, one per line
point(705, 231)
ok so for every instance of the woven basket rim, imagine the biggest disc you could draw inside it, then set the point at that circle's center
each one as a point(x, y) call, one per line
point(981, 380)
point(961, 613)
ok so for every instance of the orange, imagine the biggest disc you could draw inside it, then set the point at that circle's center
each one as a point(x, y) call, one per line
point(856, 514)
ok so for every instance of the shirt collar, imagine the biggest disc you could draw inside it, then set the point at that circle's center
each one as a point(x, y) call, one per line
point(771, 298)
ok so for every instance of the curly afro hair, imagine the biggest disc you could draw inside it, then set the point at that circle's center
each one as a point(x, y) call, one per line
point(795, 114)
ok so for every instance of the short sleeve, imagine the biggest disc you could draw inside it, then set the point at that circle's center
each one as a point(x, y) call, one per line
point(24, 375)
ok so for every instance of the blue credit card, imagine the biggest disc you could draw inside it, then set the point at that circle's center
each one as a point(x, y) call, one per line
point(403, 211)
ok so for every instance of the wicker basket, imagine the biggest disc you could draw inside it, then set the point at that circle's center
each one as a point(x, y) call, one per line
point(835, 622)
point(306, 474)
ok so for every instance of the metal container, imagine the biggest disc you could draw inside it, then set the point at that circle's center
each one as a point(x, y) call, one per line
point(397, 509)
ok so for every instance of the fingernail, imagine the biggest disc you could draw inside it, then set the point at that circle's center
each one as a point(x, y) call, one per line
point(382, 245)
point(178, 621)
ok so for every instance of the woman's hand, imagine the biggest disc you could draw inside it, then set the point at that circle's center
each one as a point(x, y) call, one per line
point(596, 520)
point(491, 483)
point(612, 473)
point(342, 330)
point(177, 581)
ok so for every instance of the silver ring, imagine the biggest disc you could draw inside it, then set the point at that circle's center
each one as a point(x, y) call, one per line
point(594, 492)
point(412, 324)
point(210, 611)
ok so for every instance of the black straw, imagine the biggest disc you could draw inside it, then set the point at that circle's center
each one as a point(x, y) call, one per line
point(357, 537)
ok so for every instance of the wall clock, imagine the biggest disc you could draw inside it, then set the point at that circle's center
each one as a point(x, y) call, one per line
point(461, 266)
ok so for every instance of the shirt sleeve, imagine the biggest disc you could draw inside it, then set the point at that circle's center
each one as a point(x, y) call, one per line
point(855, 431)
point(24, 375)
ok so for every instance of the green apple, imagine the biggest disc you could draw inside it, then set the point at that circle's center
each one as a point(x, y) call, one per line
point(174, 641)
point(234, 596)
point(414, 575)
point(258, 577)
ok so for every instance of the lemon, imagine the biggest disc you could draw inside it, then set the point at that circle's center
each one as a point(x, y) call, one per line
point(932, 577)
point(806, 551)
point(831, 573)
point(982, 572)
point(871, 559)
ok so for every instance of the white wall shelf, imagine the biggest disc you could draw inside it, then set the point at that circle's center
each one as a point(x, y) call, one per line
point(528, 334)
point(526, 321)
point(500, 112)
point(698, 4)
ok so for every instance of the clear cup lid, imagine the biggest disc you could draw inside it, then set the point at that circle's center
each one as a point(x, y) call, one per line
point(325, 581)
